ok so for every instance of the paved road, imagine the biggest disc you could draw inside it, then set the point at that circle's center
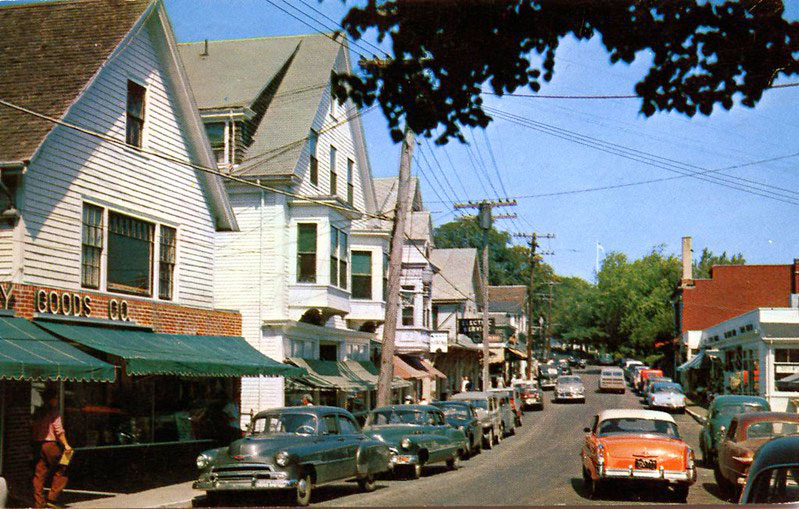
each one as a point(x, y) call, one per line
point(538, 466)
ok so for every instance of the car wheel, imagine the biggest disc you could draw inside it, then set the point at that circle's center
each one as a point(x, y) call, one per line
point(367, 484)
point(681, 492)
point(304, 489)
point(454, 462)
point(592, 487)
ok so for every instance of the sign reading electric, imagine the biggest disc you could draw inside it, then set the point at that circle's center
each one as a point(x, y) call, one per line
point(73, 304)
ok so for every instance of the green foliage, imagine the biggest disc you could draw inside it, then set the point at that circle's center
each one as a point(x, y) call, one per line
point(703, 53)
point(701, 269)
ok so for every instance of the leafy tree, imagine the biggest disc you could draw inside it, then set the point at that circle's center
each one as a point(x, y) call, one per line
point(703, 53)
point(701, 269)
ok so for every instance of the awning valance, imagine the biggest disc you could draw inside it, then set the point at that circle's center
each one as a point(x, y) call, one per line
point(350, 376)
point(366, 370)
point(148, 353)
point(30, 353)
point(404, 370)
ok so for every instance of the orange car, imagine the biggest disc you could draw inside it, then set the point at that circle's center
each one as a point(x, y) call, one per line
point(645, 375)
point(638, 445)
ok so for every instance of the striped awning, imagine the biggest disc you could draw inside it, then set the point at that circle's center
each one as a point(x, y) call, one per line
point(694, 363)
point(404, 370)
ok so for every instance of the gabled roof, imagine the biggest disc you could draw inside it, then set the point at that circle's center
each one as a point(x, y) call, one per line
point(281, 78)
point(458, 276)
point(507, 299)
point(386, 194)
point(419, 226)
point(49, 53)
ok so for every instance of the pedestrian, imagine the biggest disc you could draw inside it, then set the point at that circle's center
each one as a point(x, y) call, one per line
point(409, 400)
point(231, 413)
point(465, 383)
point(50, 444)
point(307, 400)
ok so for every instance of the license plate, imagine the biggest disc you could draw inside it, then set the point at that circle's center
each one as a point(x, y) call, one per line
point(403, 460)
point(263, 483)
point(645, 464)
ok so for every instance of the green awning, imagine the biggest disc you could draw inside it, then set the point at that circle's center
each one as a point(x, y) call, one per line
point(148, 353)
point(350, 376)
point(366, 370)
point(29, 353)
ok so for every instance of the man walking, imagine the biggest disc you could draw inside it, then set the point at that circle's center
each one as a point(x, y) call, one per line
point(50, 442)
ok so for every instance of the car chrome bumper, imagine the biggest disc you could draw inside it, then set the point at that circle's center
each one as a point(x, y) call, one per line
point(404, 459)
point(570, 396)
point(661, 474)
point(244, 484)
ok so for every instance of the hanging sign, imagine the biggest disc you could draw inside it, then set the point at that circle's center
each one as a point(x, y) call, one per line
point(438, 342)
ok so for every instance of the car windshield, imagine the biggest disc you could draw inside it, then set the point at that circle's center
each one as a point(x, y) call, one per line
point(479, 403)
point(776, 486)
point(569, 380)
point(736, 409)
point(634, 425)
point(304, 424)
point(455, 411)
point(393, 416)
point(770, 429)
point(667, 387)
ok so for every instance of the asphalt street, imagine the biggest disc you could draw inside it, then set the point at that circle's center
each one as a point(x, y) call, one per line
point(538, 466)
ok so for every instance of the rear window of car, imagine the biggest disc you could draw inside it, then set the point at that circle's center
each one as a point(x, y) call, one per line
point(612, 374)
point(667, 387)
point(633, 425)
point(770, 429)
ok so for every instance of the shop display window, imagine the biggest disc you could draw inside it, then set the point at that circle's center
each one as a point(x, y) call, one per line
point(786, 363)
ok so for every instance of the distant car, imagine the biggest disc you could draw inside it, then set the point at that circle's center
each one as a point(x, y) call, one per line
point(570, 388)
point(720, 414)
point(648, 385)
point(612, 380)
point(635, 376)
point(293, 448)
point(581, 363)
point(547, 376)
point(644, 375)
point(487, 406)
point(417, 435)
point(462, 415)
point(748, 433)
point(532, 396)
point(628, 366)
point(773, 475)
point(643, 446)
point(605, 359)
point(666, 396)
point(506, 411)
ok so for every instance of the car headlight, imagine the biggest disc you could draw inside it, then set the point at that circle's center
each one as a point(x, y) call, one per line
point(282, 458)
point(406, 443)
point(203, 461)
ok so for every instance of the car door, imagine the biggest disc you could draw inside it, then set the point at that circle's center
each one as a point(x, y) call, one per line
point(331, 446)
point(351, 438)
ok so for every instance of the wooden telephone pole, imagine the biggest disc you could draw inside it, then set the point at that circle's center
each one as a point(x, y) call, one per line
point(484, 220)
point(533, 260)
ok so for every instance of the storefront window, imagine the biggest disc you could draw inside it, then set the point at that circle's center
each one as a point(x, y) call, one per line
point(786, 363)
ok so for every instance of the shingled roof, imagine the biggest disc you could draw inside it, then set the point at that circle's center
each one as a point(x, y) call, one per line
point(458, 277)
point(507, 299)
point(49, 52)
point(287, 76)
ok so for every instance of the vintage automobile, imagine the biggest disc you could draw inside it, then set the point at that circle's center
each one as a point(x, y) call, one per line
point(416, 435)
point(648, 384)
point(294, 448)
point(611, 380)
point(774, 474)
point(745, 435)
point(506, 412)
point(487, 405)
point(628, 366)
point(462, 415)
point(641, 446)
point(666, 396)
point(547, 376)
point(532, 396)
point(570, 388)
point(605, 359)
point(720, 413)
point(643, 375)
point(564, 368)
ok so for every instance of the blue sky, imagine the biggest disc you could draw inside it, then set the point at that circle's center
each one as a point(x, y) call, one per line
point(547, 173)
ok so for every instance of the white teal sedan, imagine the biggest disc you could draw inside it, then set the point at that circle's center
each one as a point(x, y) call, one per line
point(570, 388)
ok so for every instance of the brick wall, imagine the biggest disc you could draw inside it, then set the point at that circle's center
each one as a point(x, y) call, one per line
point(162, 317)
point(734, 290)
point(17, 440)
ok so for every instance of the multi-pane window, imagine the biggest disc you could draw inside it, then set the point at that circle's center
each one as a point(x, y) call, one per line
point(92, 246)
point(313, 138)
point(362, 275)
point(216, 135)
point(407, 295)
point(350, 167)
point(130, 254)
point(333, 176)
point(306, 253)
point(135, 114)
point(338, 258)
point(166, 262)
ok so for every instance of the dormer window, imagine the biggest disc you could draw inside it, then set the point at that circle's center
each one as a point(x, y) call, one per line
point(134, 125)
point(216, 135)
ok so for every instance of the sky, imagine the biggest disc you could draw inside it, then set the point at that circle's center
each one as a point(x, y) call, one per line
point(594, 202)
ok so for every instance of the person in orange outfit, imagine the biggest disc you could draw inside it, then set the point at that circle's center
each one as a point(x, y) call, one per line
point(50, 442)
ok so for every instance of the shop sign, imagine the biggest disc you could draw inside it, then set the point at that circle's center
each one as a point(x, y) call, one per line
point(438, 342)
point(73, 304)
point(787, 369)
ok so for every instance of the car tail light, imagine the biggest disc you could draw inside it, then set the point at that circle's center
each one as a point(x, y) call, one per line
point(743, 459)
point(689, 460)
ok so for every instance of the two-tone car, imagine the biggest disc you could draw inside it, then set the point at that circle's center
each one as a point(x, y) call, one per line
point(487, 405)
point(639, 446)
point(746, 434)
point(462, 415)
point(666, 396)
point(506, 412)
point(293, 448)
point(720, 414)
point(532, 396)
point(569, 388)
point(416, 435)
point(547, 376)
point(773, 477)
point(611, 380)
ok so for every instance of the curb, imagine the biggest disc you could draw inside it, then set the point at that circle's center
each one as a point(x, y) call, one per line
point(698, 418)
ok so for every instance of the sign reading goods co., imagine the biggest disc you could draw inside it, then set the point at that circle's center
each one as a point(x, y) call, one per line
point(73, 304)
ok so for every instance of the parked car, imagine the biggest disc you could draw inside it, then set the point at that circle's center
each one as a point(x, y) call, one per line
point(666, 396)
point(746, 434)
point(547, 376)
point(462, 415)
point(611, 379)
point(417, 435)
point(570, 388)
point(644, 375)
point(648, 384)
point(581, 363)
point(515, 400)
point(605, 359)
point(772, 476)
point(720, 414)
point(628, 366)
point(635, 376)
point(508, 426)
point(487, 405)
point(564, 369)
point(295, 448)
point(636, 445)
point(532, 395)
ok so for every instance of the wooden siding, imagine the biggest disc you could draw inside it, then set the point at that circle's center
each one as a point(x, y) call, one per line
point(73, 167)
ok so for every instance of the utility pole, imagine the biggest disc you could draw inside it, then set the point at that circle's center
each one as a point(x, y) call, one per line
point(386, 375)
point(547, 345)
point(484, 220)
point(533, 245)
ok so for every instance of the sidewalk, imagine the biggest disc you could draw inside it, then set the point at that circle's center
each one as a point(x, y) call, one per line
point(175, 495)
point(695, 410)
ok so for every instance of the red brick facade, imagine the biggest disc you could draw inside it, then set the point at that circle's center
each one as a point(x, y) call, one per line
point(734, 290)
